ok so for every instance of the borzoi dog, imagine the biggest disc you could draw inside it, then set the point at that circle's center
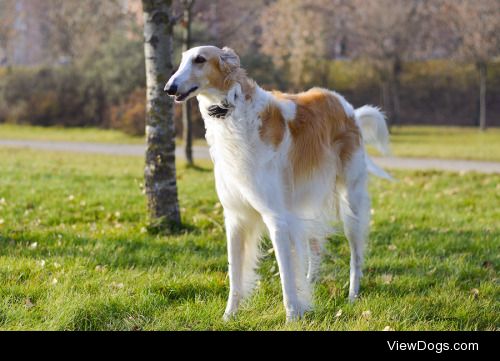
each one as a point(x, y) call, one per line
point(285, 164)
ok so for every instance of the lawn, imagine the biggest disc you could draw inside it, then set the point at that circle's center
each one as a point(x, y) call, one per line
point(408, 141)
point(75, 254)
point(89, 134)
point(446, 142)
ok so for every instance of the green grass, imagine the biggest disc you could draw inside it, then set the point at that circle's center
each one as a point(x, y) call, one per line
point(411, 141)
point(88, 134)
point(446, 142)
point(77, 134)
point(75, 255)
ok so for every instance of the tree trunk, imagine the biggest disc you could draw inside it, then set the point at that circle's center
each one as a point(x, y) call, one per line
point(386, 104)
point(482, 95)
point(396, 72)
point(159, 172)
point(187, 132)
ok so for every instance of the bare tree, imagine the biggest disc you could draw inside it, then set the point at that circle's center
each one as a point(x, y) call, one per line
point(187, 132)
point(160, 173)
point(385, 31)
point(479, 29)
point(7, 30)
point(291, 40)
point(392, 32)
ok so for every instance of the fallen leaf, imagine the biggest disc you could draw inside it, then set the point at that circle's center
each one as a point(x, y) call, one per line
point(452, 191)
point(487, 264)
point(117, 285)
point(99, 268)
point(387, 278)
point(28, 303)
point(432, 271)
point(339, 313)
point(475, 293)
point(367, 314)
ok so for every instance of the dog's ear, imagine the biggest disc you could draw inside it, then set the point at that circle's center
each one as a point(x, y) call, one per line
point(229, 60)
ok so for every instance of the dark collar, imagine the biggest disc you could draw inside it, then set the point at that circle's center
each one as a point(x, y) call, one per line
point(220, 110)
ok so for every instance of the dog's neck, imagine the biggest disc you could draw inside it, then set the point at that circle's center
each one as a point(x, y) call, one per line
point(240, 89)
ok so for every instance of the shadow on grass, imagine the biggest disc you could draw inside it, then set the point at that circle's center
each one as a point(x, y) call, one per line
point(198, 168)
point(138, 251)
point(418, 267)
point(160, 227)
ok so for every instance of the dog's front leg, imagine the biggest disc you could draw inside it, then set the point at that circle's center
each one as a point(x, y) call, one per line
point(235, 239)
point(279, 233)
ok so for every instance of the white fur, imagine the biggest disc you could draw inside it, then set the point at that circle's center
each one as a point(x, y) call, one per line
point(255, 187)
point(256, 197)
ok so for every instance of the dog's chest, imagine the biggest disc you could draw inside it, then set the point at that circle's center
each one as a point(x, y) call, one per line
point(239, 159)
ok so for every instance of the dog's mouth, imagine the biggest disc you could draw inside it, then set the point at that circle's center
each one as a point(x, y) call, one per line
point(181, 97)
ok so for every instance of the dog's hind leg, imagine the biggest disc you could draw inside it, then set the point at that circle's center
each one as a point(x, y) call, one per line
point(314, 258)
point(355, 214)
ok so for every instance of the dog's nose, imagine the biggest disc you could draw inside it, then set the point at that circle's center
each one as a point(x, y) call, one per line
point(171, 90)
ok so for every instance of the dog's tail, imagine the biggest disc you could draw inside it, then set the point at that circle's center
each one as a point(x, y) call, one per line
point(371, 121)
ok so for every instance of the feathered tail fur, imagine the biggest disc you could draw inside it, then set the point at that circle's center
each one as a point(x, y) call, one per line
point(374, 131)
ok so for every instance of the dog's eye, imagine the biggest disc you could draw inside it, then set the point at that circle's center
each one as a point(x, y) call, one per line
point(199, 59)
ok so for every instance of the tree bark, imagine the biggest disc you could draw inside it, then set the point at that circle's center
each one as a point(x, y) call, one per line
point(187, 132)
point(386, 103)
point(482, 95)
point(159, 172)
point(396, 72)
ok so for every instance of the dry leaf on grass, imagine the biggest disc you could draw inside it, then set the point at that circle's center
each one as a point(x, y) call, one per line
point(387, 278)
point(367, 314)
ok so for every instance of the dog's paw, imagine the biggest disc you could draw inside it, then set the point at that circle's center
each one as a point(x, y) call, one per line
point(228, 316)
point(353, 297)
point(296, 312)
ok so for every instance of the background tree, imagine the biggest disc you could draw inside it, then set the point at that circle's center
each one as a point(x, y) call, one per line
point(385, 30)
point(289, 38)
point(187, 132)
point(390, 33)
point(160, 174)
point(479, 29)
point(7, 30)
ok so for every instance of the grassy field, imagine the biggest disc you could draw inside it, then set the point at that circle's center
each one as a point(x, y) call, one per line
point(93, 135)
point(446, 142)
point(75, 254)
point(425, 142)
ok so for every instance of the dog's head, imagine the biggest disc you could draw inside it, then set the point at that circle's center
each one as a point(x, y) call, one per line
point(203, 69)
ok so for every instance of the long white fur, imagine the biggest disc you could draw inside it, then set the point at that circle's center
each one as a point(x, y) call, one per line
point(257, 195)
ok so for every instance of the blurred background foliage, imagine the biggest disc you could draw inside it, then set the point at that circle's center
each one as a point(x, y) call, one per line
point(81, 63)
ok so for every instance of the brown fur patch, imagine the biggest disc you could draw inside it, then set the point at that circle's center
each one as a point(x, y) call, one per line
point(223, 78)
point(320, 125)
point(272, 129)
point(215, 76)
